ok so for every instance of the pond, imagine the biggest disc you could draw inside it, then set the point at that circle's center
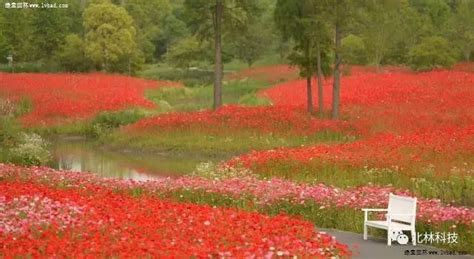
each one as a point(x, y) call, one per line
point(84, 156)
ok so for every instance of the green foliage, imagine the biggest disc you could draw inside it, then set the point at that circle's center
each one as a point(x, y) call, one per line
point(189, 77)
point(353, 50)
point(149, 19)
point(251, 44)
point(110, 37)
point(200, 97)
point(304, 23)
point(185, 53)
point(462, 28)
point(48, 31)
point(173, 30)
point(71, 56)
point(431, 52)
point(105, 122)
point(31, 67)
point(24, 106)
point(438, 11)
point(4, 48)
point(237, 15)
point(380, 28)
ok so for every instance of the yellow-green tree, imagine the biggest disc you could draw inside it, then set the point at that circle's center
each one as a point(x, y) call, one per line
point(110, 37)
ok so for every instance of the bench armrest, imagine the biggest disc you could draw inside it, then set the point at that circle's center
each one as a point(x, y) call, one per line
point(368, 209)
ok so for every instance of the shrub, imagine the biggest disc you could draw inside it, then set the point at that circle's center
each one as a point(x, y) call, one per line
point(32, 150)
point(431, 52)
point(107, 121)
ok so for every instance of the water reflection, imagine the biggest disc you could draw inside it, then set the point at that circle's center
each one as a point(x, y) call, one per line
point(82, 156)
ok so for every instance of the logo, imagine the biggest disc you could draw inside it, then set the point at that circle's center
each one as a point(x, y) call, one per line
point(397, 235)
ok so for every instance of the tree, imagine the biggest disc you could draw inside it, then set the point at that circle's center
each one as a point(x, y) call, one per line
point(48, 31)
point(149, 21)
point(463, 27)
point(251, 44)
point(380, 28)
point(71, 55)
point(431, 52)
point(15, 28)
point(218, 19)
point(437, 12)
point(173, 31)
point(341, 14)
point(185, 52)
point(110, 36)
point(353, 50)
point(303, 22)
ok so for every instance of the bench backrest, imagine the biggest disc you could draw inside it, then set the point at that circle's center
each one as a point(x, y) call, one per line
point(402, 205)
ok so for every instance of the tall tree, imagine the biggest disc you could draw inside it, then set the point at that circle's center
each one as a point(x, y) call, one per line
point(303, 22)
point(341, 15)
point(218, 66)
point(216, 20)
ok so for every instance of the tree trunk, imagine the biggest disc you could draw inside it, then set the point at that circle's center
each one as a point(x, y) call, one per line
point(337, 74)
point(309, 94)
point(319, 74)
point(218, 56)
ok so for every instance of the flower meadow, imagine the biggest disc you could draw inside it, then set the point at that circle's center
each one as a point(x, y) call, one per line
point(60, 98)
point(419, 123)
point(401, 132)
point(395, 102)
point(48, 213)
point(415, 122)
point(88, 208)
point(281, 120)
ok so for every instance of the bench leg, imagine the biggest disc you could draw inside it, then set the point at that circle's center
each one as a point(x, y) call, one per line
point(365, 231)
point(413, 237)
point(389, 239)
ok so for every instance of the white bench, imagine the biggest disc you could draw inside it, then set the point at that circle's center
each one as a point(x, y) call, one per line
point(401, 216)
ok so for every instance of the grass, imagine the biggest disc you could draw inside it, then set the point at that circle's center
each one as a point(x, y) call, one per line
point(456, 188)
point(192, 141)
point(198, 98)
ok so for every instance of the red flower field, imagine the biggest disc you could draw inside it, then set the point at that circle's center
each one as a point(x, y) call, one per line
point(403, 118)
point(44, 216)
point(393, 102)
point(60, 98)
point(264, 119)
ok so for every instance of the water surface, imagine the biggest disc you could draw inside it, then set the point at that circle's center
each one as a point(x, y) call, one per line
point(83, 156)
